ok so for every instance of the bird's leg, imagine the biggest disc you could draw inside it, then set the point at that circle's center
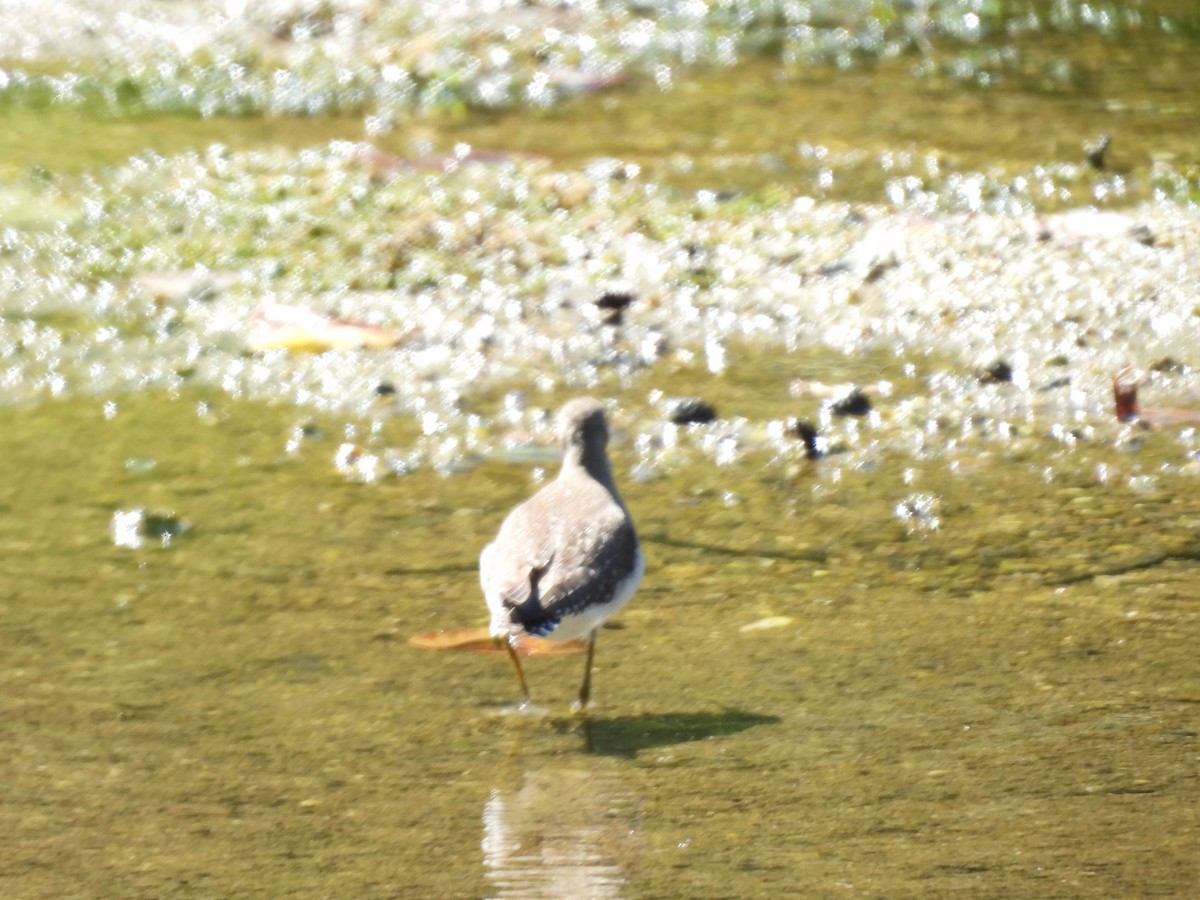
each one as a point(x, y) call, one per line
point(585, 689)
point(516, 661)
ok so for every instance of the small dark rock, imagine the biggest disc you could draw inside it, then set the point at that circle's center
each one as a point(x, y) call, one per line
point(612, 305)
point(879, 267)
point(385, 389)
point(1143, 235)
point(1169, 366)
point(837, 267)
point(997, 372)
point(690, 411)
point(1055, 384)
point(805, 431)
point(1096, 150)
point(855, 403)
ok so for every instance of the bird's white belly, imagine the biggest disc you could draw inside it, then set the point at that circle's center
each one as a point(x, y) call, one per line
point(588, 620)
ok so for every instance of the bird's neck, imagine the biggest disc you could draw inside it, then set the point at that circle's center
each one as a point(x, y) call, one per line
point(592, 461)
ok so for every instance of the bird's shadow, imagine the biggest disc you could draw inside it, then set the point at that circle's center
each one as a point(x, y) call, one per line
point(626, 736)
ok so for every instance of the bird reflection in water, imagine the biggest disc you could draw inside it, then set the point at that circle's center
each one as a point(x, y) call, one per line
point(565, 832)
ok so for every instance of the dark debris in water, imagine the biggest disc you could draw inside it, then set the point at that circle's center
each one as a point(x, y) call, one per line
point(807, 433)
point(1143, 234)
point(690, 411)
point(1055, 384)
point(612, 305)
point(1095, 152)
point(997, 373)
point(1169, 365)
point(853, 403)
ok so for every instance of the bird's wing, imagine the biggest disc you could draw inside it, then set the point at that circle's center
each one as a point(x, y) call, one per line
point(520, 548)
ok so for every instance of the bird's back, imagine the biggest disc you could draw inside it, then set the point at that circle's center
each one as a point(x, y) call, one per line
point(563, 561)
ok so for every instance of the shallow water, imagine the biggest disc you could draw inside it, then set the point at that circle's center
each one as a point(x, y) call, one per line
point(1016, 102)
point(810, 692)
point(956, 654)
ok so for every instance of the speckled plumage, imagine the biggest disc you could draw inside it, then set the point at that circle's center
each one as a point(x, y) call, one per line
point(568, 557)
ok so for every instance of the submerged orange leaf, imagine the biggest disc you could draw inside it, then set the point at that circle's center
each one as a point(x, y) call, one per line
point(478, 640)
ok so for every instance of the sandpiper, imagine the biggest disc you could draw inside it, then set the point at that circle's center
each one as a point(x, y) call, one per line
point(568, 557)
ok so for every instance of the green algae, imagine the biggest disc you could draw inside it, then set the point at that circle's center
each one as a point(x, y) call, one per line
point(865, 102)
point(875, 134)
point(1004, 702)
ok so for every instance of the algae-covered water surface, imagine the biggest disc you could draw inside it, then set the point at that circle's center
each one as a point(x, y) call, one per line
point(812, 692)
point(289, 291)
